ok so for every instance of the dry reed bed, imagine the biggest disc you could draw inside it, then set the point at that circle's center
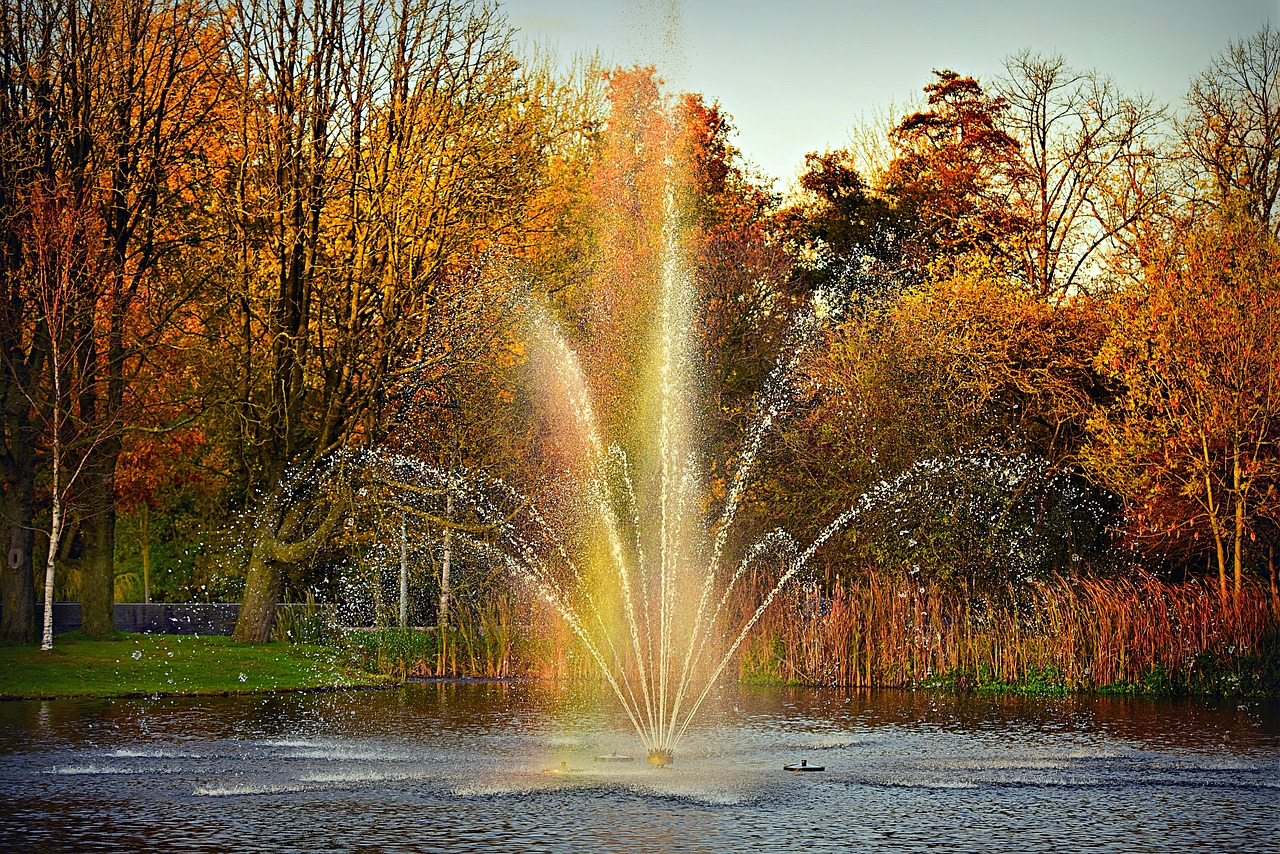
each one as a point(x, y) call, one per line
point(889, 633)
point(1088, 633)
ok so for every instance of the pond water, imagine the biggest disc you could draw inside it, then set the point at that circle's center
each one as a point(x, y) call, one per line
point(463, 767)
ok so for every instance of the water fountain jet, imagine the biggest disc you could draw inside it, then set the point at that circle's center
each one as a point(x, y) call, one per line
point(657, 621)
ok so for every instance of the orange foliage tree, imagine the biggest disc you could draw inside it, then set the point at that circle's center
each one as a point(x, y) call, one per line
point(1192, 441)
point(946, 177)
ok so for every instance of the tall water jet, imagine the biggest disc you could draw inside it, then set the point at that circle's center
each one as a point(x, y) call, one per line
point(637, 560)
point(652, 608)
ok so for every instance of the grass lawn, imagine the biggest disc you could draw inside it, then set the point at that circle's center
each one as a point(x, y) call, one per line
point(171, 664)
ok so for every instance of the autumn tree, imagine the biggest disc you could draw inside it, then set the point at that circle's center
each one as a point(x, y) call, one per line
point(747, 295)
point(28, 148)
point(941, 193)
point(947, 176)
point(959, 376)
point(1017, 371)
point(843, 234)
point(376, 151)
point(109, 101)
point(1192, 440)
point(59, 235)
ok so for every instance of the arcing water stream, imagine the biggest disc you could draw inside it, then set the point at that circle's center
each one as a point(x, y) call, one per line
point(653, 622)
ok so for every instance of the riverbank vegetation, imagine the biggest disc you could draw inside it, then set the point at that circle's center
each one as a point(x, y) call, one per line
point(246, 253)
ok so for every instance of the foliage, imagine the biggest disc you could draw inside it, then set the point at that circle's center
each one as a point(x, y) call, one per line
point(1229, 133)
point(249, 246)
point(946, 176)
point(392, 651)
point(1192, 443)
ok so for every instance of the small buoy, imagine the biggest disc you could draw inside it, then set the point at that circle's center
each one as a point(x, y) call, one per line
point(563, 769)
point(804, 766)
point(614, 757)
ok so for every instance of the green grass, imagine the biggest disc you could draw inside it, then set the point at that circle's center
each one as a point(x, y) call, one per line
point(1037, 682)
point(172, 664)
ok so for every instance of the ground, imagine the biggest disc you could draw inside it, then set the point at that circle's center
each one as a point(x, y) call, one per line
point(141, 665)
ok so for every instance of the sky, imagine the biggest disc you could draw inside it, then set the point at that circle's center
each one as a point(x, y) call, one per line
point(797, 74)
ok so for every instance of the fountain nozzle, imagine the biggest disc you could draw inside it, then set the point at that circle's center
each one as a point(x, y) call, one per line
point(660, 756)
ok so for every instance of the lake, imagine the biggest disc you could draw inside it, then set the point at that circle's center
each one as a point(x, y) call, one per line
point(457, 767)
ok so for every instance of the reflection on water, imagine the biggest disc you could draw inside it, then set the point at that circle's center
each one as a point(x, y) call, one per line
point(459, 767)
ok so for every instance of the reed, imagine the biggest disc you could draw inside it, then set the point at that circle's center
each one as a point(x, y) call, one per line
point(1063, 634)
point(1127, 635)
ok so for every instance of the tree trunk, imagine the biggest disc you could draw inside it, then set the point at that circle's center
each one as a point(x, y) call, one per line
point(265, 579)
point(275, 546)
point(1238, 546)
point(146, 552)
point(1216, 524)
point(261, 594)
point(1221, 551)
point(98, 532)
point(442, 627)
point(1271, 571)
point(404, 574)
point(55, 530)
point(17, 582)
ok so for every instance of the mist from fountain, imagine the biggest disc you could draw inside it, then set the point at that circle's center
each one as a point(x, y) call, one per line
point(653, 604)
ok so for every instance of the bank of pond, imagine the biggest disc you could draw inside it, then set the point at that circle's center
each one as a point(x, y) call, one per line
point(1143, 637)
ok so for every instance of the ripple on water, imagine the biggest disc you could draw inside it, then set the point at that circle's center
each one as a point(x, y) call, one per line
point(151, 753)
point(356, 777)
point(222, 790)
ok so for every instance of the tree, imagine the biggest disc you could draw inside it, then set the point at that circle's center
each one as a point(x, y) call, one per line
point(747, 295)
point(1014, 370)
point(1192, 441)
point(107, 102)
point(943, 192)
point(968, 387)
point(27, 148)
point(839, 221)
point(376, 152)
point(1083, 174)
point(59, 236)
point(1231, 131)
point(946, 177)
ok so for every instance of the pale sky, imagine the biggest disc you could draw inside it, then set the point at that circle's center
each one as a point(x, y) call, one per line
point(797, 74)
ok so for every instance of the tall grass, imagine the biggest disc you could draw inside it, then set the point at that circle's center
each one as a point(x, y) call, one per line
point(499, 636)
point(1115, 634)
point(1077, 634)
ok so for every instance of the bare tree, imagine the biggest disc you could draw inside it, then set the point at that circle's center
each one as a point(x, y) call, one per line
point(1231, 131)
point(1081, 176)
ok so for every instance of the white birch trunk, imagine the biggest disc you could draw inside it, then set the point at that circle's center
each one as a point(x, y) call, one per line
point(404, 574)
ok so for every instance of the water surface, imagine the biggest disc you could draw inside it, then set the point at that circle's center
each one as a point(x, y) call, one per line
point(456, 767)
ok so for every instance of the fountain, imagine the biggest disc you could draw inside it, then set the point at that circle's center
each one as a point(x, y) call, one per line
point(651, 603)
point(640, 571)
